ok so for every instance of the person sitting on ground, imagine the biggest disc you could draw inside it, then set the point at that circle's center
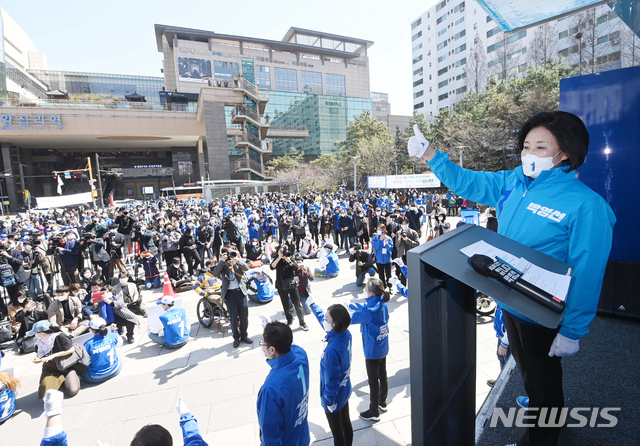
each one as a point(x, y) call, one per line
point(8, 387)
point(106, 361)
point(24, 312)
point(308, 248)
point(365, 263)
point(151, 274)
point(332, 267)
point(254, 251)
point(304, 287)
point(130, 294)
point(260, 283)
point(175, 329)
point(101, 302)
point(179, 277)
point(51, 343)
point(86, 278)
point(66, 312)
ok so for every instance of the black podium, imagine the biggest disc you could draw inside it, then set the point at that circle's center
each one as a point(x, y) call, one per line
point(442, 330)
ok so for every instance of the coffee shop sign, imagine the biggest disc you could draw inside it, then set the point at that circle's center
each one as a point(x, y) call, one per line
point(30, 122)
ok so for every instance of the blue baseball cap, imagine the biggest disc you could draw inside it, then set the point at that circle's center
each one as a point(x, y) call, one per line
point(39, 327)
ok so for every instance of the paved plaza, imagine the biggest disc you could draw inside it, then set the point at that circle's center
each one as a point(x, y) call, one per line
point(220, 384)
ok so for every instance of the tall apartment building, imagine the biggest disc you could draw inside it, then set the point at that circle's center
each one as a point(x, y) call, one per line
point(457, 46)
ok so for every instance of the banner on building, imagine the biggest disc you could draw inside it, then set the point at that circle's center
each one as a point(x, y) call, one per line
point(64, 200)
point(403, 181)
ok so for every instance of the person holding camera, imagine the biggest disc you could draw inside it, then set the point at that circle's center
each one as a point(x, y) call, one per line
point(230, 269)
point(67, 253)
point(98, 251)
point(24, 312)
point(365, 263)
point(170, 243)
point(66, 312)
point(130, 294)
point(11, 262)
point(205, 241)
point(179, 277)
point(405, 239)
point(188, 248)
point(298, 224)
point(125, 227)
point(31, 262)
point(287, 284)
point(115, 242)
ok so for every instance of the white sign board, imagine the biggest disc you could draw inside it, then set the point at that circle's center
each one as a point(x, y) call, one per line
point(404, 181)
point(147, 190)
point(64, 200)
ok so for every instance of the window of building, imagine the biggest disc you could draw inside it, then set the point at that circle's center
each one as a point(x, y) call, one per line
point(429, 77)
point(310, 56)
point(418, 105)
point(224, 70)
point(444, 83)
point(416, 36)
point(444, 70)
point(563, 34)
point(417, 59)
point(418, 94)
point(459, 7)
point(517, 53)
point(334, 59)
point(263, 77)
point(418, 82)
point(442, 31)
point(442, 97)
point(461, 76)
point(603, 39)
point(567, 51)
point(441, 58)
point(459, 21)
point(602, 19)
point(573, 30)
point(461, 62)
point(489, 18)
point(520, 35)
point(495, 46)
point(613, 57)
point(285, 79)
point(493, 31)
point(440, 6)
point(442, 45)
point(461, 48)
point(417, 23)
point(335, 84)
point(416, 48)
point(311, 82)
point(418, 71)
point(460, 35)
point(441, 19)
point(613, 37)
point(461, 90)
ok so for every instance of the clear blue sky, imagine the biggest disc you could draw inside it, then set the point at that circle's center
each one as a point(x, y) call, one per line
point(117, 36)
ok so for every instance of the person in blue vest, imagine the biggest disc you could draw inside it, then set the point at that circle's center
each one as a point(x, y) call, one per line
point(175, 325)
point(373, 318)
point(383, 247)
point(335, 370)
point(283, 399)
point(8, 387)
point(542, 204)
point(262, 284)
point(104, 350)
point(332, 267)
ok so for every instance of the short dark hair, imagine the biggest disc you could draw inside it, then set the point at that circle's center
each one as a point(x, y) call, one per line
point(62, 289)
point(340, 316)
point(98, 282)
point(152, 435)
point(568, 130)
point(278, 336)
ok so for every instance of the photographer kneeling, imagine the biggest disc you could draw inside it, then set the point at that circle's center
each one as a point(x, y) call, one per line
point(66, 312)
point(130, 294)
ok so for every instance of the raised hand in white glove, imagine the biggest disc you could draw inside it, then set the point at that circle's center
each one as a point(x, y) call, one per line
point(182, 407)
point(310, 301)
point(398, 261)
point(563, 346)
point(418, 144)
point(264, 319)
point(394, 281)
point(53, 403)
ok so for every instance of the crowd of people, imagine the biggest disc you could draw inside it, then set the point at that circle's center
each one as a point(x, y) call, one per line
point(81, 270)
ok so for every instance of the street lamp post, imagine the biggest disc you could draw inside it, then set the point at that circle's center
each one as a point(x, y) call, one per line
point(459, 149)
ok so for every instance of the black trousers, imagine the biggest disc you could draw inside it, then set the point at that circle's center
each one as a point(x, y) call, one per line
point(378, 383)
point(384, 271)
point(314, 235)
point(340, 425)
point(292, 294)
point(298, 238)
point(239, 311)
point(542, 375)
point(169, 255)
point(123, 323)
point(401, 276)
point(193, 259)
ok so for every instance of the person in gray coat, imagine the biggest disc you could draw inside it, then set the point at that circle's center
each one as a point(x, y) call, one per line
point(230, 269)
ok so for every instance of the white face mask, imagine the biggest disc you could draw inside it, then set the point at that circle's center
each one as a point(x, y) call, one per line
point(405, 227)
point(27, 248)
point(123, 281)
point(532, 165)
point(22, 300)
point(441, 218)
point(62, 298)
point(87, 275)
point(327, 326)
point(379, 232)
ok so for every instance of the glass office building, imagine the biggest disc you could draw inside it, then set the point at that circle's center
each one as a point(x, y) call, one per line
point(3, 75)
point(116, 85)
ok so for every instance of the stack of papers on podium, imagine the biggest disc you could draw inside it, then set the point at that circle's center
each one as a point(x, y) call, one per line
point(555, 284)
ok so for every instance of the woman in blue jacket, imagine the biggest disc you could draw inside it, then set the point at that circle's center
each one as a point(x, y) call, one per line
point(383, 247)
point(335, 370)
point(103, 349)
point(373, 318)
point(543, 205)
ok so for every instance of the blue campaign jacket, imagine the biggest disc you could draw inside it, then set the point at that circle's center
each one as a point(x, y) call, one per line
point(555, 214)
point(175, 325)
point(283, 401)
point(191, 431)
point(333, 267)
point(379, 245)
point(373, 318)
point(105, 355)
point(7, 403)
point(335, 367)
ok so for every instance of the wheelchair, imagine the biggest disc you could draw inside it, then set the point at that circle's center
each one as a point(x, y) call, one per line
point(212, 310)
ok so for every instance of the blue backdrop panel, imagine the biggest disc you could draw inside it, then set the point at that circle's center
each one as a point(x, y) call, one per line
point(609, 104)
